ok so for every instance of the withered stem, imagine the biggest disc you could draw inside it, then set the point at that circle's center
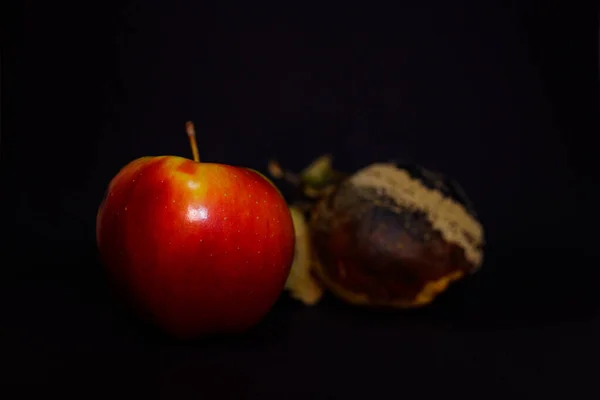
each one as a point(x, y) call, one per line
point(277, 172)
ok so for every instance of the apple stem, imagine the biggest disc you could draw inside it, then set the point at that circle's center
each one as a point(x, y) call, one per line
point(191, 132)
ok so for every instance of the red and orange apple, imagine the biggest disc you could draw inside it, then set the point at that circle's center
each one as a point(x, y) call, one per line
point(200, 248)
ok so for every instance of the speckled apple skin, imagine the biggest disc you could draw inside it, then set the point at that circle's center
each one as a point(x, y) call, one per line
point(199, 248)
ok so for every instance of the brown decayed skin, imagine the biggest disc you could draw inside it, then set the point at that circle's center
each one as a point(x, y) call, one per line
point(372, 250)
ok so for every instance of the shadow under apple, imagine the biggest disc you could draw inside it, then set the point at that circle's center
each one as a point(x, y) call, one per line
point(63, 300)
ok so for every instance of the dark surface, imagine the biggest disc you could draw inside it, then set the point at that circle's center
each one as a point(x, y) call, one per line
point(495, 97)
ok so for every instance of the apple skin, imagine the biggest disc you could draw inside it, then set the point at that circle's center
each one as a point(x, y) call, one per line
point(198, 248)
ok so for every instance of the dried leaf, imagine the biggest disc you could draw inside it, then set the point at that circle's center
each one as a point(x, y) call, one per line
point(318, 172)
point(301, 284)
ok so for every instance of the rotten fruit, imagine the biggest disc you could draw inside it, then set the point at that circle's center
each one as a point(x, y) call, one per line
point(389, 235)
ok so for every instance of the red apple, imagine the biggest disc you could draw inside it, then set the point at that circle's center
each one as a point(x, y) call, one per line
point(200, 248)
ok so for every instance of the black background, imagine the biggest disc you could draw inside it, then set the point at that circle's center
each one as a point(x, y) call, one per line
point(496, 96)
